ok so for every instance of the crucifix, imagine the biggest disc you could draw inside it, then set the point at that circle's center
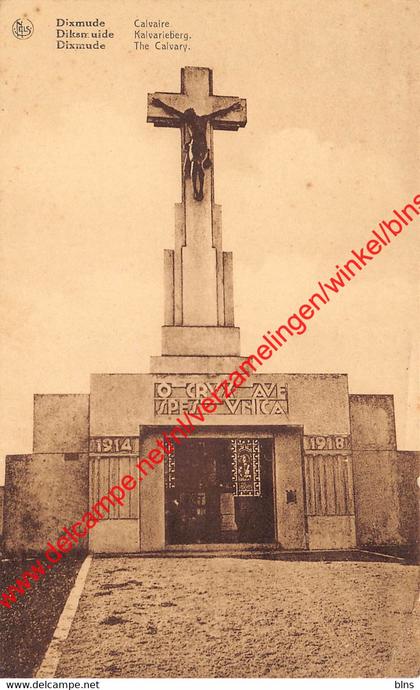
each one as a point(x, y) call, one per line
point(195, 266)
point(197, 112)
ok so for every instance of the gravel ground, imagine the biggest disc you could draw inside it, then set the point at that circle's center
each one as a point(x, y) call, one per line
point(27, 627)
point(224, 617)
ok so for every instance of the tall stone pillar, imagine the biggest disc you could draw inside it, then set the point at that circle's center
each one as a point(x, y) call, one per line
point(199, 314)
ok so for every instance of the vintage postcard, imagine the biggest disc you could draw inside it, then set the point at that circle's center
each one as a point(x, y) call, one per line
point(209, 341)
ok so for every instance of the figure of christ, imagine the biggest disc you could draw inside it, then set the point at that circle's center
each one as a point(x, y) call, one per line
point(197, 157)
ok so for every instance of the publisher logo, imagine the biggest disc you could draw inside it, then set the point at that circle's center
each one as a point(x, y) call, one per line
point(22, 29)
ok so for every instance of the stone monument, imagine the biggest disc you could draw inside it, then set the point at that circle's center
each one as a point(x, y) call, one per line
point(199, 317)
point(287, 461)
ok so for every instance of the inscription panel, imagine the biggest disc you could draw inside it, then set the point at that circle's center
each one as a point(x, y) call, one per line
point(325, 443)
point(114, 445)
point(120, 403)
point(254, 399)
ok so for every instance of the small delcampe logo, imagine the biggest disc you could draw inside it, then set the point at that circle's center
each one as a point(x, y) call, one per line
point(22, 28)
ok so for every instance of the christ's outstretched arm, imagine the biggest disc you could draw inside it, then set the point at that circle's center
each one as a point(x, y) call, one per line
point(224, 111)
point(167, 108)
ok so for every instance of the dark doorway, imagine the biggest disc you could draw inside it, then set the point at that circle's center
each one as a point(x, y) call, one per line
point(220, 490)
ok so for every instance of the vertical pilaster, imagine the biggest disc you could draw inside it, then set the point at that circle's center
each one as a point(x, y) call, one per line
point(169, 291)
point(229, 317)
point(199, 273)
point(152, 502)
point(291, 527)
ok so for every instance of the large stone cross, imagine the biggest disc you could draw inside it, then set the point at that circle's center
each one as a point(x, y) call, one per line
point(194, 267)
point(197, 93)
point(197, 112)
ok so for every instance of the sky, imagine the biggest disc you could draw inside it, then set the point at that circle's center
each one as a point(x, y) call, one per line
point(88, 190)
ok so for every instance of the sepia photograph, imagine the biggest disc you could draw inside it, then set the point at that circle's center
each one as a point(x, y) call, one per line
point(210, 447)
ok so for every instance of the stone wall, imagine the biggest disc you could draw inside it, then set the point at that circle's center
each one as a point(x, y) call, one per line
point(408, 469)
point(44, 493)
point(119, 403)
point(376, 478)
point(49, 489)
point(289, 477)
point(61, 423)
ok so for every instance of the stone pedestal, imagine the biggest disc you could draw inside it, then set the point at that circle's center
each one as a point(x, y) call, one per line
point(194, 365)
point(202, 341)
